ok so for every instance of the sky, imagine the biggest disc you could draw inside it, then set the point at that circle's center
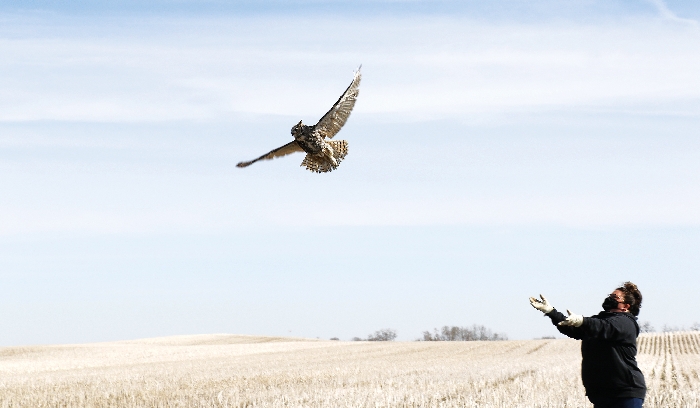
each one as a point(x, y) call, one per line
point(498, 150)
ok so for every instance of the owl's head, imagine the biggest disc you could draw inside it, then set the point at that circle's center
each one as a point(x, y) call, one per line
point(296, 130)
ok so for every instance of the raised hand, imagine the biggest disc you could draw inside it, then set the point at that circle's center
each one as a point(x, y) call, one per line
point(541, 305)
point(573, 320)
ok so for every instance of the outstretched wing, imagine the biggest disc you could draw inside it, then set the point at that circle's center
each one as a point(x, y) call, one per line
point(289, 148)
point(335, 118)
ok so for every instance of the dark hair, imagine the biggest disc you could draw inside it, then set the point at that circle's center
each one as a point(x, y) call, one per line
point(633, 297)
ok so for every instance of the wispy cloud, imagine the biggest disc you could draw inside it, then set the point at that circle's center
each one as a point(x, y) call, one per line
point(205, 68)
point(666, 13)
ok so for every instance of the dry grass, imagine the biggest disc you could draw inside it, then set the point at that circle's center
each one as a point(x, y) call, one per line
point(671, 362)
point(241, 371)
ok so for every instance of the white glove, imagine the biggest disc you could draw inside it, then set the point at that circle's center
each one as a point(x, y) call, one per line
point(573, 320)
point(541, 305)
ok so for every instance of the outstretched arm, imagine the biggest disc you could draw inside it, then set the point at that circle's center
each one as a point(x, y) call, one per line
point(560, 320)
point(569, 326)
point(620, 328)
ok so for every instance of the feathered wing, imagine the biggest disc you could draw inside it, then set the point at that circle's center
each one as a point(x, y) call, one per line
point(331, 123)
point(289, 148)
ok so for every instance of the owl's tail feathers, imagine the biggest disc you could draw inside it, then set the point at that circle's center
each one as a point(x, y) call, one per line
point(340, 149)
point(323, 162)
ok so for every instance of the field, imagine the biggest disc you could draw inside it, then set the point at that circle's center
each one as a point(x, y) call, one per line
point(242, 371)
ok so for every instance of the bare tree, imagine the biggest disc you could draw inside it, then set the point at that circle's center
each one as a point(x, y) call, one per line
point(668, 329)
point(383, 335)
point(456, 333)
point(646, 327)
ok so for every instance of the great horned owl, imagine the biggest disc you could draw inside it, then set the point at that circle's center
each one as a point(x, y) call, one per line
point(321, 155)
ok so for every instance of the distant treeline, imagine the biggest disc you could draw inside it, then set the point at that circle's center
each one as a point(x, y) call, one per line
point(482, 333)
point(379, 335)
point(447, 333)
point(456, 333)
point(646, 327)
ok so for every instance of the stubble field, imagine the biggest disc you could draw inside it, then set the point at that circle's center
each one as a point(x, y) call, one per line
point(243, 371)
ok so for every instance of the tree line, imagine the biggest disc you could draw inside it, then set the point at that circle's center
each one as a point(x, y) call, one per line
point(482, 333)
point(446, 333)
point(456, 333)
point(646, 327)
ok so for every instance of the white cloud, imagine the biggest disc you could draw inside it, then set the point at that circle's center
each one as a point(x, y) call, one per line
point(429, 67)
point(141, 177)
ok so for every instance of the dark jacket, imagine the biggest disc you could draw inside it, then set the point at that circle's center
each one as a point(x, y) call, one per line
point(608, 350)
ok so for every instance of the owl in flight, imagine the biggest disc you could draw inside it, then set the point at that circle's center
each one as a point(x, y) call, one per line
point(322, 154)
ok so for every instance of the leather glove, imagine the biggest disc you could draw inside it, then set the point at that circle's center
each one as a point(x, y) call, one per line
point(541, 305)
point(573, 320)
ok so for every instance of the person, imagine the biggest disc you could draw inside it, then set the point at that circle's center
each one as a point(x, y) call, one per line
point(608, 347)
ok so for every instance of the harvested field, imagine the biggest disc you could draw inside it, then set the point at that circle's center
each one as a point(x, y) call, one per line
point(243, 371)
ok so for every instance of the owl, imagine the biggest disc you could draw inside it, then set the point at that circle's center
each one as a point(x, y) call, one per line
point(322, 154)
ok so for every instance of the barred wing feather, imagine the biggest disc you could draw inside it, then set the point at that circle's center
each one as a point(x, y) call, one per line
point(289, 148)
point(331, 123)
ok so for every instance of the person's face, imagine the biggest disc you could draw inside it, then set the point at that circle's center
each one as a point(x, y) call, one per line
point(620, 297)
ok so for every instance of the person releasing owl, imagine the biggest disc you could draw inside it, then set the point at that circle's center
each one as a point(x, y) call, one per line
point(322, 154)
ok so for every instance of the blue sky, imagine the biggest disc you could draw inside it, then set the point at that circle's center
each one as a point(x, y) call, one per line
point(497, 150)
